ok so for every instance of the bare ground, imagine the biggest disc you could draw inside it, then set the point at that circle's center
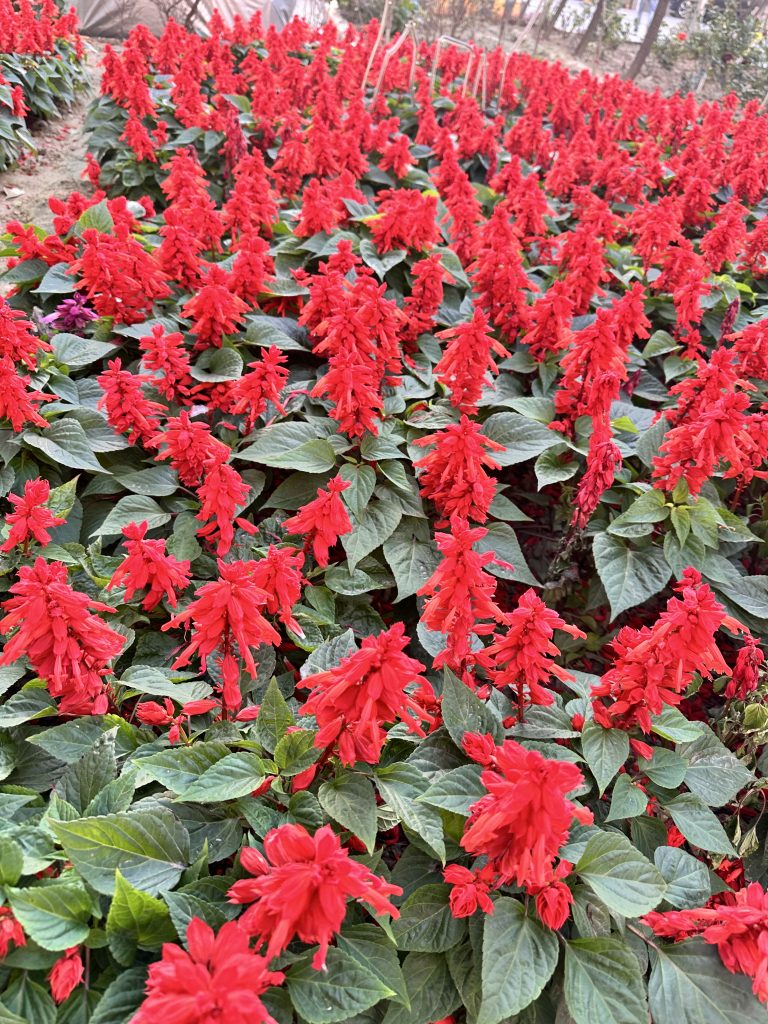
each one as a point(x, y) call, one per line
point(56, 166)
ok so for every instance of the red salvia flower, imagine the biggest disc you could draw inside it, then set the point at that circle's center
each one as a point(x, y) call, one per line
point(279, 575)
point(30, 517)
point(460, 594)
point(367, 690)
point(453, 473)
point(66, 974)
point(405, 219)
point(17, 341)
point(221, 493)
point(165, 354)
point(189, 446)
point(322, 521)
point(466, 359)
point(654, 665)
point(226, 618)
point(215, 310)
point(301, 887)
point(746, 671)
point(524, 820)
point(11, 932)
point(554, 900)
point(217, 978)
point(148, 566)
point(522, 656)
point(738, 926)
point(352, 385)
point(422, 304)
point(603, 459)
point(263, 384)
point(17, 404)
point(128, 410)
point(469, 890)
point(66, 645)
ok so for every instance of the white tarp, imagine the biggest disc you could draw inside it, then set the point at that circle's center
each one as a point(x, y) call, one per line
point(115, 18)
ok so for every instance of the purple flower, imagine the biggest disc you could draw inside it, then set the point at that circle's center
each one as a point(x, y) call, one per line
point(71, 315)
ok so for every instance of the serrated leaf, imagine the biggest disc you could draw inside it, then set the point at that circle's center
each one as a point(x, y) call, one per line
point(464, 712)
point(603, 983)
point(629, 575)
point(522, 438)
point(627, 800)
point(519, 958)
point(370, 530)
point(605, 751)
point(150, 848)
point(426, 923)
point(698, 824)
point(501, 539)
point(412, 556)
point(687, 878)
point(431, 992)
point(350, 800)
point(136, 920)
point(620, 875)
point(55, 916)
point(690, 985)
point(179, 767)
point(344, 989)
point(231, 777)
point(121, 998)
point(400, 786)
point(133, 508)
point(372, 949)
point(66, 444)
point(75, 351)
point(274, 717)
point(456, 790)
point(293, 446)
point(361, 480)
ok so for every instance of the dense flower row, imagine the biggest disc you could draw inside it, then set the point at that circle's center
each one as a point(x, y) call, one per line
point(384, 445)
point(41, 69)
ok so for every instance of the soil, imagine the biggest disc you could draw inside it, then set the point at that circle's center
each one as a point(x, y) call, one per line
point(56, 166)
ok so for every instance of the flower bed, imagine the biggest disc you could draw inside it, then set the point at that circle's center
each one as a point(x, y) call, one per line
point(41, 70)
point(384, 576)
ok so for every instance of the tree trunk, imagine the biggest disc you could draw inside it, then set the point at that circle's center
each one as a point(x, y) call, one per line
point(543, 21)
point(650, 38)
point(552, 21)
point(505, 18)
point(591, 30)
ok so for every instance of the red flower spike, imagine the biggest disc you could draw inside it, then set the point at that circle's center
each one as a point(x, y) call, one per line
point(301, 887)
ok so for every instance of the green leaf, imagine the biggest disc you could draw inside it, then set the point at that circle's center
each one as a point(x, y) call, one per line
point(372, 949)
point(629, 575)
point(463, 711)
point(11, 861)
point(150, 848)
point(620, 875)
point(136, 920)
point(233, 776)
point(85, 779)
point(605, 750)
point(133, 508)
point(603, 983)
point(31, 702)
point(456, 790)
point(432, 994)
point(690, 985)
point(552, 467)
point(400, 785)
point(411, 555)
point(30, 1001)
point(337, 993)
point(75, 351)
point(97, 217)
point(649, 508)
point(121, 998)
point(370, 530)
point(522, 438)
point(361, 480)
point(290, 446)
point(688, 885)
point(519, 958)
point(184, 906)
point(501, 539)
point(65, 443)
point(274, 717)
point(55, 916)
point(350, 800)
point(714, 774)
point(216, 365)
point(698, 824)
point(426, 923)
point(296, 751)
point(627, 800)
point(665, 768)
point(179, 767)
